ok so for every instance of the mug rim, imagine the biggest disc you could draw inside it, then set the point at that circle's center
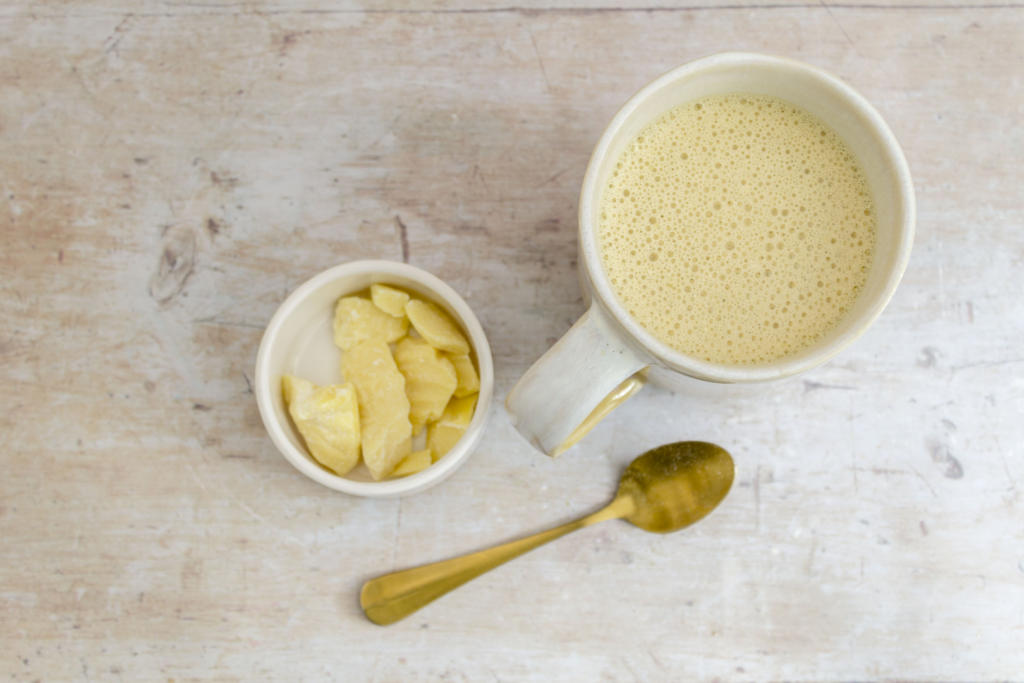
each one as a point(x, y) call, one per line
point(664, 354)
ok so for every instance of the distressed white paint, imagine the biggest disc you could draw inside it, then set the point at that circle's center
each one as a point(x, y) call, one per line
point(151, 530)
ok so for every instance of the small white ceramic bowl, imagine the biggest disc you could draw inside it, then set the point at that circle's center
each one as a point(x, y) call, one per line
point(300, 341)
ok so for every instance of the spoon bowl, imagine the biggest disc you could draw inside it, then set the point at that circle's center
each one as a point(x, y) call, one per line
point(677, 484)
point(666, 489)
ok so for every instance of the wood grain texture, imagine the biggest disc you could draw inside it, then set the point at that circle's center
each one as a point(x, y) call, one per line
point(169, 8)
point(171, 172)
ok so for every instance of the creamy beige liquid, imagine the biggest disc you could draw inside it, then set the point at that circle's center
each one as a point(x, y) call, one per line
point(737, 228)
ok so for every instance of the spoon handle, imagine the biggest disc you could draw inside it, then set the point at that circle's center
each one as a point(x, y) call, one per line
point(392, 597)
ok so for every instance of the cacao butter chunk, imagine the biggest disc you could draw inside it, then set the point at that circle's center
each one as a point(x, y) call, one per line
point(328, 420)
point(383, 405)
point(469, 381)
point(357, 319)
point(413, 463)
point(446, 432)
point(295, 389)
point(389, 300)
point(436, 327)
point(430, 380)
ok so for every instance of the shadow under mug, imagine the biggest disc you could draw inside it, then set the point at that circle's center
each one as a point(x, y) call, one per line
point(607, 355)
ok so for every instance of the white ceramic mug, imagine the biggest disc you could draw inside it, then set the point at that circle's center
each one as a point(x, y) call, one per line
point(607, 345)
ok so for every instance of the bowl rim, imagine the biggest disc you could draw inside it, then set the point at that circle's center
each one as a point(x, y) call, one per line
point(264, 383)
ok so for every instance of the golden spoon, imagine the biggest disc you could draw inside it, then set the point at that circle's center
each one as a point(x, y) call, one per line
point(665, 489)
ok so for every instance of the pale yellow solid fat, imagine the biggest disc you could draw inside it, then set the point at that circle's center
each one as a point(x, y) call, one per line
point(436, 327)
point(295, 388)
point(413, 463)
point(357, 319)
point(469, 380)
point(737, 228)
point(328, 420)
point(446, 432)
point(391, 301)
point(430, 380)
point(383, 405)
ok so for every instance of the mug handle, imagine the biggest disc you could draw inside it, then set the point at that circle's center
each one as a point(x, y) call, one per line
point(592, 363)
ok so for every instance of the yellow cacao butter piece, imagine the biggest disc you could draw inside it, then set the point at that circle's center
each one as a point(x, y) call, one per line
point(389, 300)
point(356, 319)
point(430, 380)
point(328, 420)
point(436, 327)
point(415, 462)
point(446, 432)
point(383, 405)
point(469, 381)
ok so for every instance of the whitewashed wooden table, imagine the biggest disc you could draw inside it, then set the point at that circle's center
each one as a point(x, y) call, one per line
point(172, 170)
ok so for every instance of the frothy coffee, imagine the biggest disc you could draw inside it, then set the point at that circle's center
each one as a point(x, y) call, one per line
point(737, 228)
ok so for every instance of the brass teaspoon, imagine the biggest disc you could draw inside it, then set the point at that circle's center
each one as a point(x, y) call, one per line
point(665, 489)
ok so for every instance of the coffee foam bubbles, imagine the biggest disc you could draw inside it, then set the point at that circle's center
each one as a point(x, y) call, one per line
point(737, 228)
